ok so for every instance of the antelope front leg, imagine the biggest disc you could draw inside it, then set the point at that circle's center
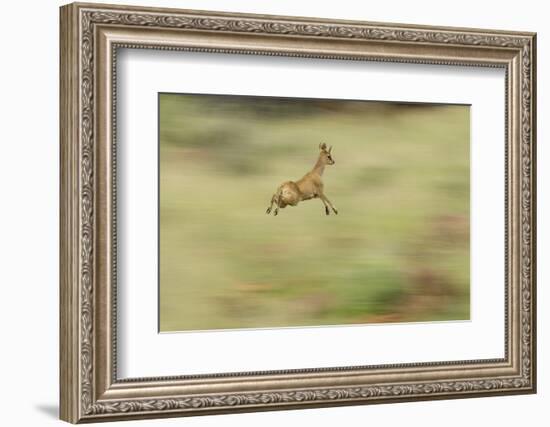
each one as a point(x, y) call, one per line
point(325, 204)
point(328, 203)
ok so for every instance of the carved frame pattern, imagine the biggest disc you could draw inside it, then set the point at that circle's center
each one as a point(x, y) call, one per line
point(80, 22)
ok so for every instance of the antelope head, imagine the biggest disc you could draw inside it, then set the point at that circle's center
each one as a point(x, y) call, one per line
point(325, 154)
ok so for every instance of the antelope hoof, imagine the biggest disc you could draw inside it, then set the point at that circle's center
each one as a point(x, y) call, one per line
point(275, 212)
point(335, 211)
point(327, 211)
point(268, 211)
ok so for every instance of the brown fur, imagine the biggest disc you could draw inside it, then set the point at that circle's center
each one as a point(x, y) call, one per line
point(310, 186)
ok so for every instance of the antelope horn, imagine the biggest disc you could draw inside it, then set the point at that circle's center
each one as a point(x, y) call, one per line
point(330, 149)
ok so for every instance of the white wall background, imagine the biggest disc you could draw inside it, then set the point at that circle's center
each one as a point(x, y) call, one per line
point(29, 171)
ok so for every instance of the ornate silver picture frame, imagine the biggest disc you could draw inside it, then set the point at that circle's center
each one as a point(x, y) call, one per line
point(91, 36)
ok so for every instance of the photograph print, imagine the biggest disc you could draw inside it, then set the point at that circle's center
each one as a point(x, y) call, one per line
point(292, 212)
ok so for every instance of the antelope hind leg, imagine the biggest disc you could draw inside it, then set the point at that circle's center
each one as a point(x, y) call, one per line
point(268, 211)
point(275, 212)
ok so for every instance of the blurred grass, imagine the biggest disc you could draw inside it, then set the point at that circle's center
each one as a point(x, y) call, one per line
point(398, 251)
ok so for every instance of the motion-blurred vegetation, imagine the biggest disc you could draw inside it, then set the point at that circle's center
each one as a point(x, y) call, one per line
point(397, 252)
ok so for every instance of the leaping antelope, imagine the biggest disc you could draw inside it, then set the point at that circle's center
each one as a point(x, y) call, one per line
point(309, 187)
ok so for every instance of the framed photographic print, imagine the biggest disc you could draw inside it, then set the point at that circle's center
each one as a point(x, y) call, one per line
point(266, 212)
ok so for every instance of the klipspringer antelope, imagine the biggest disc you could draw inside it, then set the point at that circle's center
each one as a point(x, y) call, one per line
point(310, 186)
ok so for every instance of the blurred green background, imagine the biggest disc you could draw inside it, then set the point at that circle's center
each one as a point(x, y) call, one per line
point(397, 252)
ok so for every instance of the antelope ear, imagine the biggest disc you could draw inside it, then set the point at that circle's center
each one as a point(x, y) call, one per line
point(323, 146)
